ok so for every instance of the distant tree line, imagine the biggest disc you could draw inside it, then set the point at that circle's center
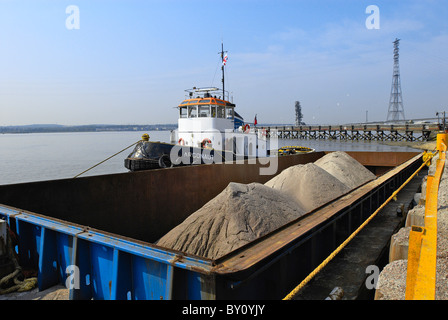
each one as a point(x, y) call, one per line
point(85, 128)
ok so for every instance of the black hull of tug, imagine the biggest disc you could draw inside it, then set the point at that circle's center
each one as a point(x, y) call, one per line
point(155, 155)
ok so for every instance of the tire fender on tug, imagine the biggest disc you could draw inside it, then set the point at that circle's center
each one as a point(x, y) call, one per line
point(165, 161)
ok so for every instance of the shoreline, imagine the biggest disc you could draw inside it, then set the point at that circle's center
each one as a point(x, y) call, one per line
point(422, 145)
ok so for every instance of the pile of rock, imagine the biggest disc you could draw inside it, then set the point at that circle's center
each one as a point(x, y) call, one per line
point(238, 215)
point(309, 185)
point(242, 213)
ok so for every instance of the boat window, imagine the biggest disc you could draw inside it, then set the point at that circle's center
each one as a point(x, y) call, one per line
point(185, 102)
point(193, 101)
point(204, 111)
point(205, 101)
point(192, 112)
point(183, 112)
point(213, 111)
point(229, 113)
point(220, 112)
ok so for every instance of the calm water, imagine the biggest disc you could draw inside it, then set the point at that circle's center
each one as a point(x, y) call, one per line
point(46, 156)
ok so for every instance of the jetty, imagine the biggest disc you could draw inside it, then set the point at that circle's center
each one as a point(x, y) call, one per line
point(363, 131)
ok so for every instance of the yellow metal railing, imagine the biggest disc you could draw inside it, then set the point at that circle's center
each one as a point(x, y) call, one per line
point(422, 252)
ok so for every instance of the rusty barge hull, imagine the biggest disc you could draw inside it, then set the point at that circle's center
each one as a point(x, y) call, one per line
point(106, 225)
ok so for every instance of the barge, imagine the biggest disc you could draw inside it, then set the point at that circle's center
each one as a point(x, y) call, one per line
point(101, 230)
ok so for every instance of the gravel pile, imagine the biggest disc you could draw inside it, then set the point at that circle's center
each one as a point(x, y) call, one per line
point(346, 169)
point(242, 213)
point(392, 282)
point(310, 185)
point(238, 215)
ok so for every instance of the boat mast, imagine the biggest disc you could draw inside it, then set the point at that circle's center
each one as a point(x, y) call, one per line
point(222, 69)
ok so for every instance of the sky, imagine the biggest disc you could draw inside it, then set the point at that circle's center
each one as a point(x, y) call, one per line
point(129, 62)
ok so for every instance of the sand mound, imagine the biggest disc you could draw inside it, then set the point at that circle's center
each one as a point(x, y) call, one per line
point(345, 169)
point(310, 185)
point(242, 213)
point(238, 215)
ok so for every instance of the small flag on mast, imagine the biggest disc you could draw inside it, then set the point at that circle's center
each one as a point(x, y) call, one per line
point(255, 120)
point(224, 60)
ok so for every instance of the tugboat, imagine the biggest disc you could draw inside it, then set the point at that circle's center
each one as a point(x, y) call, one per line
point(209, 131)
